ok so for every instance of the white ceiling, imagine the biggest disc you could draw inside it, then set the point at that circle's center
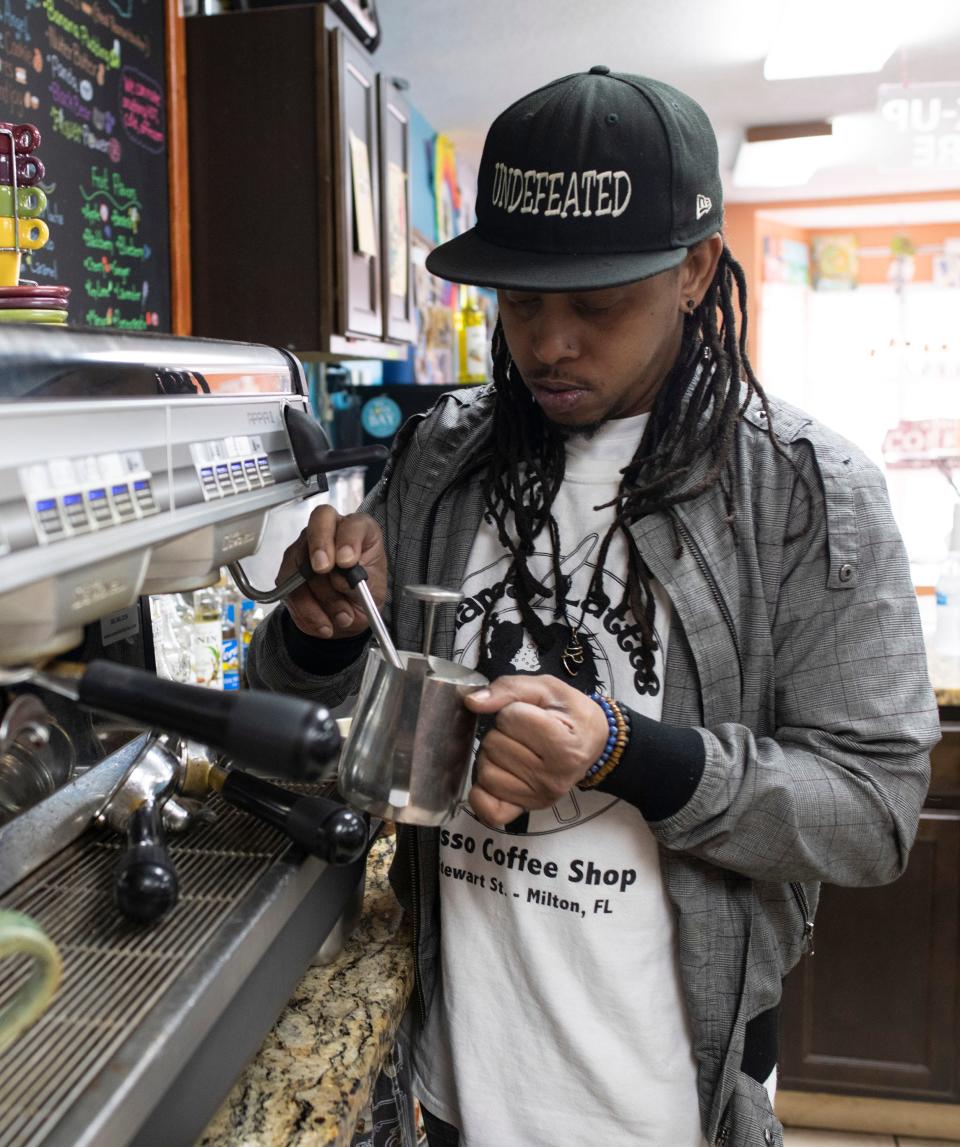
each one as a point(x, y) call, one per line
point(467, 61)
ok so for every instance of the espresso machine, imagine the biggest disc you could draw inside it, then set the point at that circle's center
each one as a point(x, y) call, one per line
point(181, 846)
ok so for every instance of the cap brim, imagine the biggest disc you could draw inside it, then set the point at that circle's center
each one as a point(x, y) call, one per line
point(472, 260)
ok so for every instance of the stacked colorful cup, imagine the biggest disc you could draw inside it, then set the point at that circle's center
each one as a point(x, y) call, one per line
point(21, 202)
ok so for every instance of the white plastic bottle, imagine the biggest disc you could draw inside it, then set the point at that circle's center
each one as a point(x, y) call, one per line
point(947, 634)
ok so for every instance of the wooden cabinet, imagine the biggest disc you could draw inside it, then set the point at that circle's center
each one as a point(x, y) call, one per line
point(288, 191)
point(876, 1010)
point(395, 212)
point(356, 152)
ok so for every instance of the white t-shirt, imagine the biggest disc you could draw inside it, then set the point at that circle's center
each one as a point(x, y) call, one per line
point(560, 1019)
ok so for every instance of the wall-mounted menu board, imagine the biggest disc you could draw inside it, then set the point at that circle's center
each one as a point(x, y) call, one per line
point(90, 74)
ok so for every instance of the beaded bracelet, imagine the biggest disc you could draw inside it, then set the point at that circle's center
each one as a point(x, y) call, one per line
point(618, 724)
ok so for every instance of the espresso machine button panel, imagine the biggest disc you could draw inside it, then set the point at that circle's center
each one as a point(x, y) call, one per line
point(232, 465)
point(77, 495)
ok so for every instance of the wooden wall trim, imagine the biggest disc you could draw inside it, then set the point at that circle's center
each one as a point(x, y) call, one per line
point(178, 160)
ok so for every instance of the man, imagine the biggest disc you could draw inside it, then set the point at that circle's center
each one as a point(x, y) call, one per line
point(708, 689)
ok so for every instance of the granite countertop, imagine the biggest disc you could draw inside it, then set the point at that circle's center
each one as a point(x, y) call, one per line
point(312, 1077)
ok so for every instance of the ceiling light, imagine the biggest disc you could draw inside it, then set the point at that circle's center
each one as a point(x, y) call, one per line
point(826, 38)
point(782, 155)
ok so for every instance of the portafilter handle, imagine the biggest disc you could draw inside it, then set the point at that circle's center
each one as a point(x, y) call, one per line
point(145, 881)
point(268, 733)
point(318, 825)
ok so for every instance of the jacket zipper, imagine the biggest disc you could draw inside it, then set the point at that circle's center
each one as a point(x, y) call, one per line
point(801, 898)
point(707, 572)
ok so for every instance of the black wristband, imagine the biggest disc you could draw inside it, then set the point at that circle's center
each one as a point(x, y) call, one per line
point(322, 657)
point(761, 1045)
point(660, 768)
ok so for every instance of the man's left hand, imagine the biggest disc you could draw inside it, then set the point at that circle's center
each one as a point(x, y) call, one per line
point(547, 735)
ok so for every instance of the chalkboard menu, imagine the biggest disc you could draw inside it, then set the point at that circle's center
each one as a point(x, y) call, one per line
point(90, 74)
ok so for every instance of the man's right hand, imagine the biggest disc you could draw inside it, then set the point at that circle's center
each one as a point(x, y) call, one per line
point(325, 606)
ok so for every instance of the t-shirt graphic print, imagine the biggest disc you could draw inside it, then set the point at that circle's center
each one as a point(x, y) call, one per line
point(560, 1017)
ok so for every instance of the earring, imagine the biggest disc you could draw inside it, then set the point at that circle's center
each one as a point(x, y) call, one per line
point(691, 305)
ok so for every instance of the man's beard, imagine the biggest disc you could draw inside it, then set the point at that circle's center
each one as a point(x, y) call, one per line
point(565, 430)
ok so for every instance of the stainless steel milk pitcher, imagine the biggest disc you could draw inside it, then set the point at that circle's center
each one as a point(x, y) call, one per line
point(410, 749)
point(409, 753)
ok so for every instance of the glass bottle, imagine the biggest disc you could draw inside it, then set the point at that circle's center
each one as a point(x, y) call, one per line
point(472, 339)
point(207, 642)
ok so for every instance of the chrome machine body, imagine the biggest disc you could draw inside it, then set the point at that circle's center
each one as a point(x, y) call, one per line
point(130, 466)
point(133, 465)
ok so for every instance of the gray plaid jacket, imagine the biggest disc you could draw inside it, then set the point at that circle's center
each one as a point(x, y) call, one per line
point(800, 663)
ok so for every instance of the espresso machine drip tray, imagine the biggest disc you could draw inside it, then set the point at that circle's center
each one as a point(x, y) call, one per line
point(161, 1019)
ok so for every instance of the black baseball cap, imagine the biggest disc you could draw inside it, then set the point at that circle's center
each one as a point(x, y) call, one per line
point(594, 180)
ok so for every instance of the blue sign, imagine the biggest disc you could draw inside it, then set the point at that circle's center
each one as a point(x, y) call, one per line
point(381, 417)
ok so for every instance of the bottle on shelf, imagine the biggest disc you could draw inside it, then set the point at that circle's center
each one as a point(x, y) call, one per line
point(229, 629)
point(207, 639)
point(459, 345)
point(234, 611)
point(171, 616)
point(472, 338)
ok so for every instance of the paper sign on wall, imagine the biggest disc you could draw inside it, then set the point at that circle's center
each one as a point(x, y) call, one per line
point(446, 187)
point(835, 262)
point(365, 231)
point(397, 227)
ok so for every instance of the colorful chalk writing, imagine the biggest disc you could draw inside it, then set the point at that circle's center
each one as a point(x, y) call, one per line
point(117, 264)
point(91, 75)
point(83, 34)
point(142, 107)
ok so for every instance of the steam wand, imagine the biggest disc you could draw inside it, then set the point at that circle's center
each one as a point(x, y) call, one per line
point(356, 577)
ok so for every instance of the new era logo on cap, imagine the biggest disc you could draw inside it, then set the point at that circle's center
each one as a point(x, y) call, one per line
point(704, 203)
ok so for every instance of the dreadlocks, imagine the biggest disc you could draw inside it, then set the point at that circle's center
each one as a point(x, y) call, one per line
point(694, 416)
